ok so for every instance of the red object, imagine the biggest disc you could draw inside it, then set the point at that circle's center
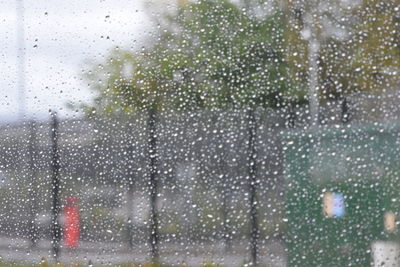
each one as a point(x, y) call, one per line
point(71, 224)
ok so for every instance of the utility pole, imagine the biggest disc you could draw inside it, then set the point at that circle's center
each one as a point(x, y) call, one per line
point(55, 166)
point(313, 52)
point(20, 59)
point(310, 35)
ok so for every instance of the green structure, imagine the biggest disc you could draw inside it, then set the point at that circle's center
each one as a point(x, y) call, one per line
point(343, 193)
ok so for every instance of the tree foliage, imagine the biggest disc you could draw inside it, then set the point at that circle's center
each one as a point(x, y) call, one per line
point(210, 54)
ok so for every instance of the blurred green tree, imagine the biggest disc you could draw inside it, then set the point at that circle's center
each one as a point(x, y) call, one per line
point(235, 58)
point(210, 54)
point(358, 45)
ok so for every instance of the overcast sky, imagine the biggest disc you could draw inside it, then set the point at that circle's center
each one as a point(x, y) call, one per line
point(60, 36)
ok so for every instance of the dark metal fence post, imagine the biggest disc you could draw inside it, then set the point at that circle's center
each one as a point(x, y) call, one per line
point(224, 186)
point(129, 192)
point(129, 205)
point(55, 167)
point(291, 117)
point(225, 217)
point(254, 232)
point(33, 231)
point(345, 111)
point(154, 235)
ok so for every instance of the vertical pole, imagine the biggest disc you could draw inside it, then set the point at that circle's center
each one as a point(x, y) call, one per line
point(310, 34)
point(20, 58)
point(129, 196)
point(313, 52)
point(154, 235)
point(224, 188)
point(345, 116)
point(55, 166)
point(254, 232)
point(225, 217)
point(33, 231)
point(129, 205)
point(291, 118)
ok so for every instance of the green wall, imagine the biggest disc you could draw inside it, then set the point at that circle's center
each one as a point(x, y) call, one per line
point(362, 164)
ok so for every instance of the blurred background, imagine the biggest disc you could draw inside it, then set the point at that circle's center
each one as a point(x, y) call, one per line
point(219, 132)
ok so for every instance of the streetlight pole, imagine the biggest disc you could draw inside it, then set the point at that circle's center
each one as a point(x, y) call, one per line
point(20, 58)
point(309, 33)
point(313, 51)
